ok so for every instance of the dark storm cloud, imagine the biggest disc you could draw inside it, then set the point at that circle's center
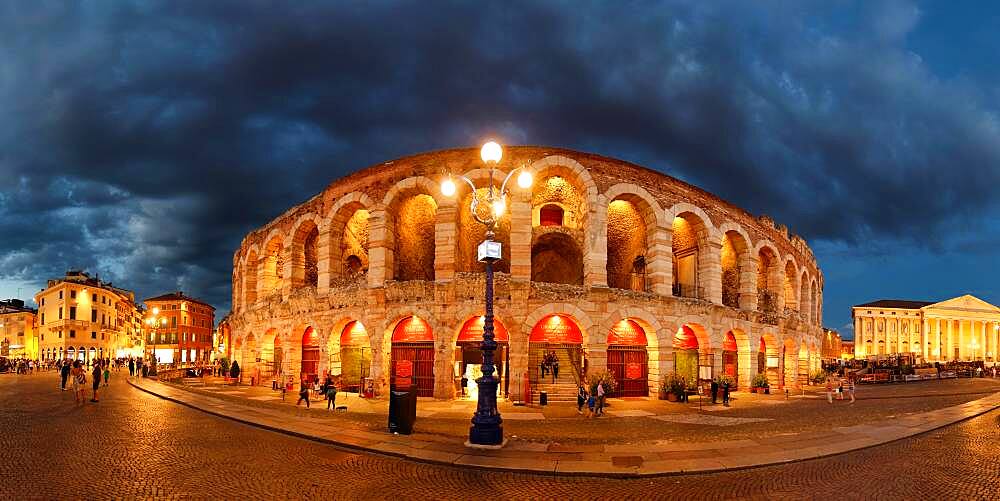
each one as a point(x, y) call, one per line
point(157, 134)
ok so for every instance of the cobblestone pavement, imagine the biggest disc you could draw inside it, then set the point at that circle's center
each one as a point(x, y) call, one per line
point(134, 445)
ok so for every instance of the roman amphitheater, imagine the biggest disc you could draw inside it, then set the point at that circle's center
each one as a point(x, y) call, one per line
point(606, 264)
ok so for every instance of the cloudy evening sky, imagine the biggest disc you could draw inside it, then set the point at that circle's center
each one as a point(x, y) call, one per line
point(143, 140)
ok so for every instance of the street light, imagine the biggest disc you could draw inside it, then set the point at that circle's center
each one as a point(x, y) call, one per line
point(487, 425)
point(975, 346)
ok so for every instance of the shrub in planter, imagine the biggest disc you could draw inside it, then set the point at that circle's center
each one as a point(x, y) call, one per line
point(759, 381)
point(674, 385)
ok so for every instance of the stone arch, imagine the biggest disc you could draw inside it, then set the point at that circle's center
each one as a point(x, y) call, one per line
point(630, 253)
point(305, 251)
point(693, 263)
point(790, 372)
point(270, 274)
point(583, 320)
point(769, 282)
point(815, 318)
point(805, 307)
point(469, 233)
point(346, 226)
point(249, 272)
point(411, 208)
point(737, 277)
point(791, 283)
point(654, 338)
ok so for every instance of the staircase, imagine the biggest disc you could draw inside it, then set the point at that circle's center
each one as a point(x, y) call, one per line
point(564, 388)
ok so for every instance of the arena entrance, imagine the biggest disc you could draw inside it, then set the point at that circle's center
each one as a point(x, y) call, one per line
point(469, 356)
point(686, 354)
point(628, 360)
point(309, 368)
point(731, 359)
point(355, 355)
point(558, 339)
point(412, 358)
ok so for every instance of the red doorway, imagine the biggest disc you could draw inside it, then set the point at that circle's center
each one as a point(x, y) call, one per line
point(412, 357)
point(730, 358)
point(310, 355)
point(628, 360)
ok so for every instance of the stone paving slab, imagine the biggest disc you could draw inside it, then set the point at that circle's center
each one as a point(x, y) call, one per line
point(655, 458)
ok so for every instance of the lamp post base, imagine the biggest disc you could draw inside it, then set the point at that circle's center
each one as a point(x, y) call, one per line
point(487, 425)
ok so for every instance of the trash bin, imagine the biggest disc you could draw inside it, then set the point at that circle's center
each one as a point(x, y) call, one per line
point(543, 398)
point(402, 410)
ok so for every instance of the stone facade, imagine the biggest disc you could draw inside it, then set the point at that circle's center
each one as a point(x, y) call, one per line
point(587, 223)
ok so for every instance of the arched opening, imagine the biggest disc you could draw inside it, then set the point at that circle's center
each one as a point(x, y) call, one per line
point(353, 266)
point(352, 359)
point(814, 311)
point(237, 353)
point(272, 267)
point(688, 231)
point(769, 359)
point(550, 215)
point(471, 233)
point(768, 281)
point(413, 232)
point(791, 287)
point(789, 356)
point(686, 354)
point(309, 368)
point(71, 353)
point(804, 305)
point(305, 270)
point(804, 365)
point(250, 280)
point(556, 258)
point(555, 354)
point(412, 357)
point(469, 356)
point(628, 359)
point(354, 244)
point(734, 251)
point(731, 358)
point(626, 252)
point(270, 357)
point(91, 354)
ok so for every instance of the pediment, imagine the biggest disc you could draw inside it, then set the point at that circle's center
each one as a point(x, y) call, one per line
point(967, 303)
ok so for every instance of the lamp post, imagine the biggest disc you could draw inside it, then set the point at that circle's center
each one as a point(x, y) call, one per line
point(975, 346)
point(155, 322)
point(487, 425)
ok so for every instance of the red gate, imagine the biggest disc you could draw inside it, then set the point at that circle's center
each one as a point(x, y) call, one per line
point(413, 363)
point(630, 366)
point(731, 365)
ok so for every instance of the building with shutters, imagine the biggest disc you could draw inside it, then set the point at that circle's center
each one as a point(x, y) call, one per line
point(606, 265)
point(184, 329)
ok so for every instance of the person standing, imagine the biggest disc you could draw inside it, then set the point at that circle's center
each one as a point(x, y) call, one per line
point(725, 393)
point(131, 367)
point(600, 399)
point(107, 375)
point(840, 390)
point(829, 390)
point(96, 383)
point(581, 398)
point(850, 389)
point(234, 372)
point(79, 380)
point(331, 394)
point(64, 374)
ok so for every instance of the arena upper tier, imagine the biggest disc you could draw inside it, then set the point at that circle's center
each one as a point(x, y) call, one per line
point(605, 263)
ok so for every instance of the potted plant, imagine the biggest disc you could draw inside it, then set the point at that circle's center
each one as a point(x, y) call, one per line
point(673, 385)
point(759, 384)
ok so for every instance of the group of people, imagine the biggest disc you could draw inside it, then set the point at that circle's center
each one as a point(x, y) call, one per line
point(327, 389)
point(839, 389)
point(549, 363)
point(76, 371)
point(594, 400)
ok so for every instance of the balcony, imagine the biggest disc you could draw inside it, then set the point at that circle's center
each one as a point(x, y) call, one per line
point(687, 290)
point(632, 281)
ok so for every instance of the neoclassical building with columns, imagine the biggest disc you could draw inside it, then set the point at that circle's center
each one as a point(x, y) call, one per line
point(606, 265)
point(964, 328)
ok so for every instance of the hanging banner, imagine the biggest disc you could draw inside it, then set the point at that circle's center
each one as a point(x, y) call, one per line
point(412, 330)
point(627, 333)
point(354, 334)
point(556, 329)
point(472, 330)
point(633, 370)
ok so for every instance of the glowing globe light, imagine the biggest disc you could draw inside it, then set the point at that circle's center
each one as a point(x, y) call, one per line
point(499, 205)
point(524, 179)
point(491, 152)
point(448, 187)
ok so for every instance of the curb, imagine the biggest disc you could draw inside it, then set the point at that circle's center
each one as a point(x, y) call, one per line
point(597, 473)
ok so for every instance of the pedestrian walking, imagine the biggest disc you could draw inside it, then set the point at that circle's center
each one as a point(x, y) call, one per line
point(850, 389)
point(591, 403)
point(725, 394)
point(840, 391)
point(107, 375)
point(331, 394)
point(96, 383)
point(303, 392)
point(829, 390)
point(64, 374)
point(79, 380)
point(234, 372)
point(581, 398)
point(131, 367)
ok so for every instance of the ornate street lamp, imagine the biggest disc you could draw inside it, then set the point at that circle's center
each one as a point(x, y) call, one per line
point(487, 425)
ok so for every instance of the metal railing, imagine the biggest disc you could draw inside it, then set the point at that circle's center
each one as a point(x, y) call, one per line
point(632, 281)
point(685, 290)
